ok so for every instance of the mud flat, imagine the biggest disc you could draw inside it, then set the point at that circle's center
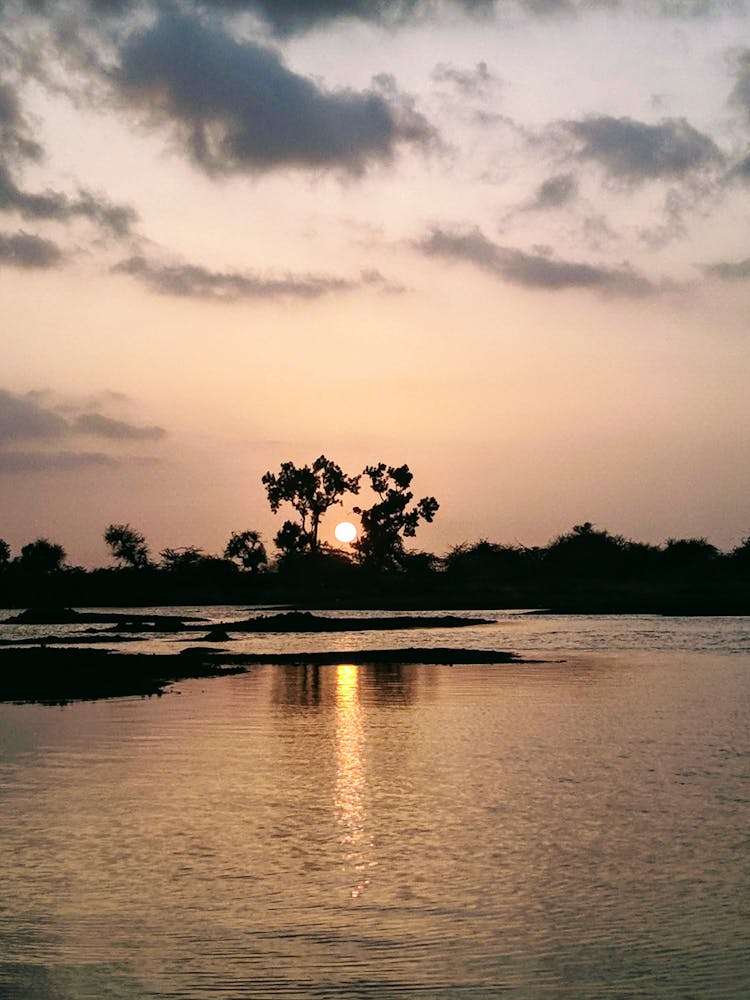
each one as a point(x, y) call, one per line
point(56, 676)
point(305, 621)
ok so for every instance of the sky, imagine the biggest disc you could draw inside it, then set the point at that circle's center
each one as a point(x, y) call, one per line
point(506, 243)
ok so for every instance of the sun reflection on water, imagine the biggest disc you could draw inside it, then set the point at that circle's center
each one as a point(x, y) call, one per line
point(350, 776)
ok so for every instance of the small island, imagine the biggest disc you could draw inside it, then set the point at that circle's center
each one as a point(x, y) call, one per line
point(58, 676)
point(35, 668)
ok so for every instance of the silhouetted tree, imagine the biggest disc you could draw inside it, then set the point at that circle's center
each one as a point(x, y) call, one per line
point(689, 554)
point(420, 564)
point(740, 556)
point(291, 540)
point(246, 548)
point(391, 519)
point(41, 557)
point(127, 545)
point(640, 559)
point(4, 553)
point(487, 562)
point(585, 551)
point(311, 491)
point(185, 558)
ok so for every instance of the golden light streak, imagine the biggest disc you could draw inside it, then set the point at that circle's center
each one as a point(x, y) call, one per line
point(350, 775)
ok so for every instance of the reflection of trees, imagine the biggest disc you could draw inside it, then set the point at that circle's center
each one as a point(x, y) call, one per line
point(311, 685)
point(298, 687)
point(390, 683)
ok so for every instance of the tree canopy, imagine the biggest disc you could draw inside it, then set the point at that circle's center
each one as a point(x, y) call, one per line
point(247, 549)
point(388, 521)
point(311, 490)
point(42, 556)
point(127, 545)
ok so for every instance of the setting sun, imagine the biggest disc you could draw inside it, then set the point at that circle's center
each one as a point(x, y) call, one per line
point(345, 531)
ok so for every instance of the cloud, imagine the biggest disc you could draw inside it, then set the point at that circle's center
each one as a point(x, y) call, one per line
point(237, 108)
point(554, 193)
point(678, 9)
point(375, 279)
point(116, 430)
point(672, 227)
point(18, 148)
point(537, 270)
point(116, 219)
point(21, 418)
point(478, 82)
point(28, 251)
point(286, 17)
point(194, 281)
point(729, 270)
point(16, 143)
point(635, 151)
point(31, 417)
point(741, 170)
point(56, 461)
point(740, 95)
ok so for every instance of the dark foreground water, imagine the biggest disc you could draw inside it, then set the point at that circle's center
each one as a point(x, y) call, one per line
point(577, 829)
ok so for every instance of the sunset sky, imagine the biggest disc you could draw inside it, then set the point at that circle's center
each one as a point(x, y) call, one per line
point(506, 243)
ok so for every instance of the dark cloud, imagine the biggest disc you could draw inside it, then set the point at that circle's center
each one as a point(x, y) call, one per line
point(555, 192)
point(28, 251)
point(53, 205)
point(22, 418)
point(741, 93)
point(57, 461)
point(476, 82)
point(729, 270)
point(529, 270)
point(677, 9)
point(116, 430)
point(194, 281)
point(16, 142)
point(635, 151)
point(237, 107)
point(672, 226)
point(18, 148)
point(741, 170)
point(286, 17)
point(291, 16)
point(33, 416)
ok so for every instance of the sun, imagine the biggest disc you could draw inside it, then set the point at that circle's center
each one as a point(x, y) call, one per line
point(345, 531)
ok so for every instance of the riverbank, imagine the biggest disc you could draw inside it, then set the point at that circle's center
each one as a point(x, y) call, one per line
point(288, 621)
point(58, 676)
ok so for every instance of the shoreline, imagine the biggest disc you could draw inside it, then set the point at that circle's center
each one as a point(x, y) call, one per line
point(58, 676)
point(668, 605)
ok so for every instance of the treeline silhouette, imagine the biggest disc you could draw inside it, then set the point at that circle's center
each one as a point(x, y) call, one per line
point(586, 570)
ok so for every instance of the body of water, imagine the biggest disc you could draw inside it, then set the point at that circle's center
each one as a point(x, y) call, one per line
point(578, 828)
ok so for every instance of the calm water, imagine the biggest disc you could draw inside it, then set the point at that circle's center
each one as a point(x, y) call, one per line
point(577, 829)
